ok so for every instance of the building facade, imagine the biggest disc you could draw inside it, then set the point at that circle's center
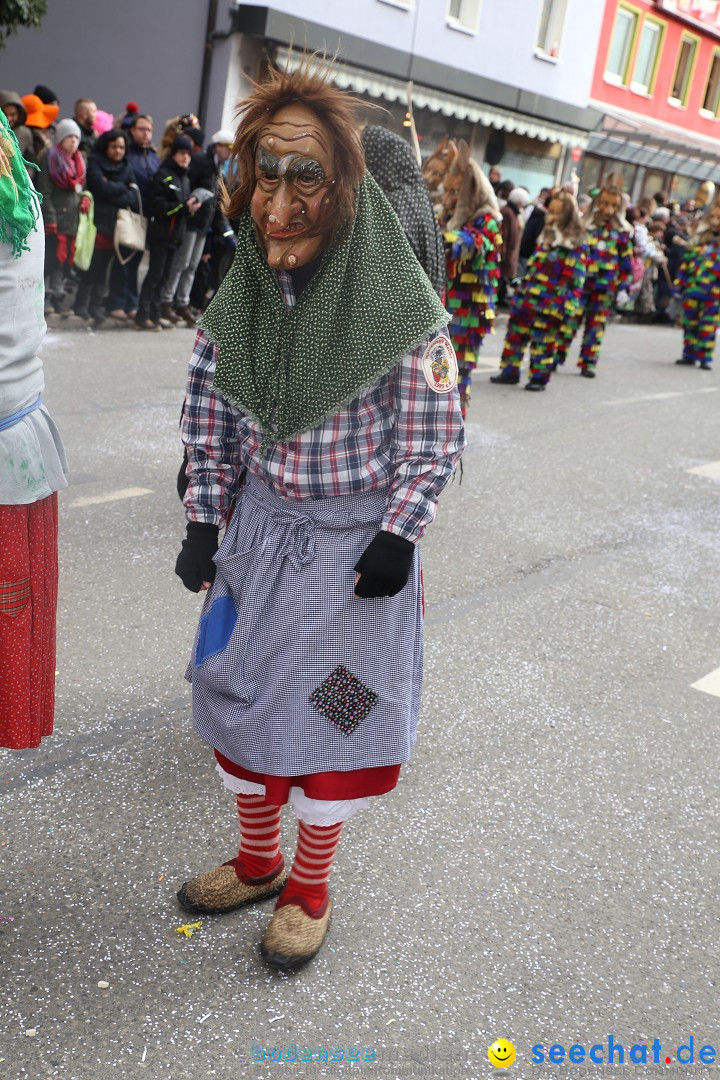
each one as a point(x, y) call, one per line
point(514, 83)
point(513, 79)
point(657, 82)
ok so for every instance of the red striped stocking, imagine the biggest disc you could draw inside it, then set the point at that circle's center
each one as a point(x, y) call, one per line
point(307, 885)
point(259, 855)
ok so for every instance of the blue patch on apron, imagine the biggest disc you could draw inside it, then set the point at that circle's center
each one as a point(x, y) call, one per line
point(216, 628)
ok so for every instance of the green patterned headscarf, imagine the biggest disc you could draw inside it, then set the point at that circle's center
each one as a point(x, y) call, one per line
point(19, 201)
point(369, 303)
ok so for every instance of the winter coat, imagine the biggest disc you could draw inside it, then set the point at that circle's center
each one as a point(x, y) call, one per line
point(203, 172)
point(60, 206)
point(511, 236)
point(109, 183)
point(169, 190)
point(533, 227)
point(88, 138)
point(145, 163)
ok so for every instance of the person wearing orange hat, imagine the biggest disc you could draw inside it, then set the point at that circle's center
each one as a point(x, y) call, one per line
point(40, 118)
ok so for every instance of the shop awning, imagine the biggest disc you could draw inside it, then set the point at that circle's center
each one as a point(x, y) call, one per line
point(385, 87)
point(625, 136)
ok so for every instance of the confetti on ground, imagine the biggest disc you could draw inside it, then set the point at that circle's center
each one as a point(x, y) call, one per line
point(102, 985)
point(7, 918)
point(188, 929)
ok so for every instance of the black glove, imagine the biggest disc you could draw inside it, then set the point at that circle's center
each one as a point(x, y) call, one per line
point(384, 565)
point(194, 563)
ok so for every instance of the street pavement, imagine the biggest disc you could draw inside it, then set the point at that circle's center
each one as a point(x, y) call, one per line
point(547, 870)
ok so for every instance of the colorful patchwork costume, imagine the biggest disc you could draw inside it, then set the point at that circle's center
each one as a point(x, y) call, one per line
point(698, 281)
point(470, 219)
point(548, 301)
point(609, 268)
point(473, 270)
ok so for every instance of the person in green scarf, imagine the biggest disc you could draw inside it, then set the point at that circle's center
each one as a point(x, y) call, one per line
point(321, 423)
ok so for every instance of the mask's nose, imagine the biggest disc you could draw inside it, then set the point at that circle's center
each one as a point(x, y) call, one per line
point(280, 210)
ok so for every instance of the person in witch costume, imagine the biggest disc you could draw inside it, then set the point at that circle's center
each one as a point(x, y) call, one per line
point(609, 269)
point(548, 300)
point(322, 408)
point(698, 284)
point(473, 241)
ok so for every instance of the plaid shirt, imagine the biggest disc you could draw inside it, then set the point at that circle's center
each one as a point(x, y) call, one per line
point(398, 434)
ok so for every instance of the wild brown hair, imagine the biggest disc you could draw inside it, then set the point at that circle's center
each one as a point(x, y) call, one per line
point(568, 230)
point(338, 111)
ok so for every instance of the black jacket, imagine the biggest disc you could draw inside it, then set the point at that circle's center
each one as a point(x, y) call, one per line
point(534, 226)
point(202, 172)
point(110, 184)
point(169, 189)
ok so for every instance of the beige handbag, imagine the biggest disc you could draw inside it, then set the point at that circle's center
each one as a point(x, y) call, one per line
point(130, 230)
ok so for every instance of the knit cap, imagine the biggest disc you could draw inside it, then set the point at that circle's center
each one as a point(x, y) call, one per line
point(65, 128)
point(181, 142)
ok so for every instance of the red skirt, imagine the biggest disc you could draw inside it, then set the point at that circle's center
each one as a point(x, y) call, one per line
point(356, 784)
point(28, 605)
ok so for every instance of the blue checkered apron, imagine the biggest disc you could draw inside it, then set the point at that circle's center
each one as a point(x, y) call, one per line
point(281, 618)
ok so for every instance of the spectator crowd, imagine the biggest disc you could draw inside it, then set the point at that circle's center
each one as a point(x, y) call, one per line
point(97, 172)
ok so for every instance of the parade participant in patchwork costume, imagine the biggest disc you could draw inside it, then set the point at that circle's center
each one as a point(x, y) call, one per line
point(698, 282)
point(322, 406)
point(609, 268)
point(473, 242)
point(547, 302)
point(32, 468)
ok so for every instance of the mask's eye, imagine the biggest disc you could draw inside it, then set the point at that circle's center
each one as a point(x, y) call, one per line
point(306, 174)
point(267, 164)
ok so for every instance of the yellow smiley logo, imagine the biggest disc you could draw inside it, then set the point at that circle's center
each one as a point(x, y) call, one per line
point(501, 1054)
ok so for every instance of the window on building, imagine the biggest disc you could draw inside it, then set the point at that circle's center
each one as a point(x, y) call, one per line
point(711, 101)
point(684, 69)
point(617, 68)
point(552, 25)
point(648, 56)
point(464, 14)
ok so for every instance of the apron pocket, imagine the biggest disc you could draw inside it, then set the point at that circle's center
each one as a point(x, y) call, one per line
point(216, 628)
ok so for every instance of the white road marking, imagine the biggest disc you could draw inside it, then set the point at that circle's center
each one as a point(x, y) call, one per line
point(709, 684)
point(112, 496)
point(712, 469)
point(661, 397)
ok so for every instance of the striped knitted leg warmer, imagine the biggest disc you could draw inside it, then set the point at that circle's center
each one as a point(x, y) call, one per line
point(307, 886)
point(259, 855)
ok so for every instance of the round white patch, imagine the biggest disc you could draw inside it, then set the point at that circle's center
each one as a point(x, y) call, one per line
point(440, 366)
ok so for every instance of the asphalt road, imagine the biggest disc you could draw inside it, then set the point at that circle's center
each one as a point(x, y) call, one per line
point(547, 870)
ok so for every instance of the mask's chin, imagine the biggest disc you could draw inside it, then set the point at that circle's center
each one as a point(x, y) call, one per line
point(292, 254)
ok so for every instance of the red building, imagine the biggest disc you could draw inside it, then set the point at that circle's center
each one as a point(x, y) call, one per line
point(657, 82)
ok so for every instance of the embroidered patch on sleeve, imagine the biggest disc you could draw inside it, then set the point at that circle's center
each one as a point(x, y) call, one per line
point(343, 699)
point(440, 366)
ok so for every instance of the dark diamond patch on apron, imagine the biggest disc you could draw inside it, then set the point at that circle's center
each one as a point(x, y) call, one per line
point(343, 699)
